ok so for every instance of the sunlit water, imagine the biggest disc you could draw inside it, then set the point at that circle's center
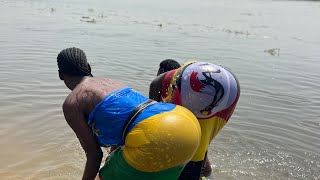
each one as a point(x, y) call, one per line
point(274, 132)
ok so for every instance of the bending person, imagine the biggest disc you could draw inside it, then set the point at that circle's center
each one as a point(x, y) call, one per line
point(209, 91)
point(168, 65)
point(103, 112)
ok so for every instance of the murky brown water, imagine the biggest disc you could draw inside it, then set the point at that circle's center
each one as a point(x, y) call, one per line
point(275, 131)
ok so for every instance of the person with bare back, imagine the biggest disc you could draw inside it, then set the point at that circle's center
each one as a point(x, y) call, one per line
point(209, 91)
point(150, 136)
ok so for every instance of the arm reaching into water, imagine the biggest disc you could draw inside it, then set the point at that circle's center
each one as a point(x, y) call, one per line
point(76, 121)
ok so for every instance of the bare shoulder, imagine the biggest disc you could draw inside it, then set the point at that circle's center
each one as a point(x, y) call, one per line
point(70, 103)
point(105, 84)
point(81, 98)
point(90, 92)
point(155, 88)
point(158, 80)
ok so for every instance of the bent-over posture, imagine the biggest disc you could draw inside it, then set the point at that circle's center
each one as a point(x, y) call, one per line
point(209, 91)
point(102, 112)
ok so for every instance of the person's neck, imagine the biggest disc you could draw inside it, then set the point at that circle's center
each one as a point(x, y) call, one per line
point(73, 81)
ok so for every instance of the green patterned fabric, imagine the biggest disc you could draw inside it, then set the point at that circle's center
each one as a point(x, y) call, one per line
point(116, 168)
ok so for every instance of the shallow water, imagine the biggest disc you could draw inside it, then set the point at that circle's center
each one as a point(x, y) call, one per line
point(274, 132)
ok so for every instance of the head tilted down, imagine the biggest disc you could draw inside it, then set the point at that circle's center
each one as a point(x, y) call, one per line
point(167, 65)
point(72, 62)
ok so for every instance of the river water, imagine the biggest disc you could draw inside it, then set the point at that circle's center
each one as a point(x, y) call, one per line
point(271, 46)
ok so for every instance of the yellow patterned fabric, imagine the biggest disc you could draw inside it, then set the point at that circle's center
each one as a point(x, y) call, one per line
point(209, 129)
point(163, 141)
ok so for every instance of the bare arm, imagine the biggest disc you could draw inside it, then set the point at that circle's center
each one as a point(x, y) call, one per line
point(76, 121)
point(156, 87)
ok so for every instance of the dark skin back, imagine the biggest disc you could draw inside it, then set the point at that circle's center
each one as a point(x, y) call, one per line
point(86, 93)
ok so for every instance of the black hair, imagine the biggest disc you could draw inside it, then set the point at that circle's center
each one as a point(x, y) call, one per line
point(73, 61)
point(167, 65)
